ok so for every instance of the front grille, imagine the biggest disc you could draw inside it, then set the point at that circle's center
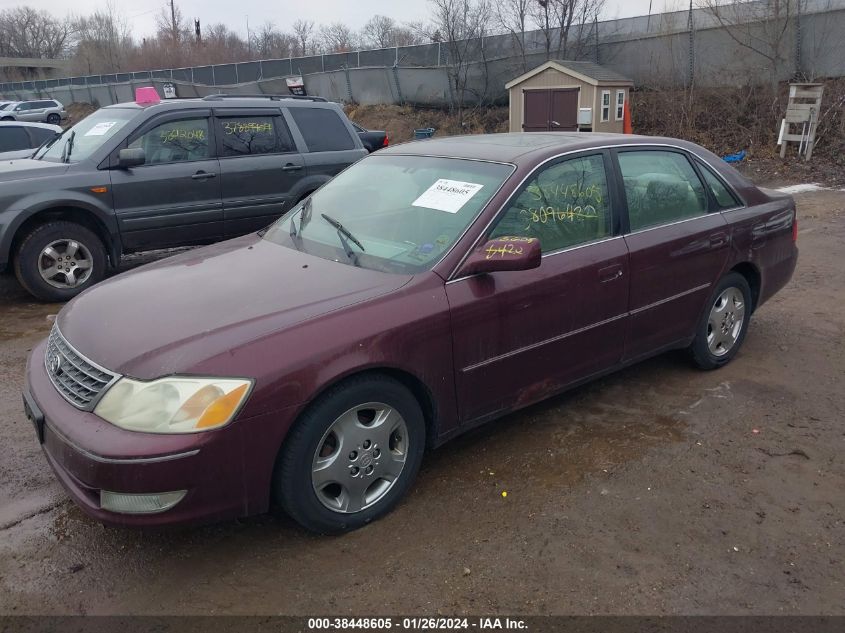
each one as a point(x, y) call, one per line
point(79, 380)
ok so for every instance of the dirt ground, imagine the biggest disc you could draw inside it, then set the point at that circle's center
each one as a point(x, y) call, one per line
point(659, 490)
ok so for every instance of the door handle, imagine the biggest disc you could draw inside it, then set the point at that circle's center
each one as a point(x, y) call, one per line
point(291, 167)
point(203, 175)
point(718, 239)
point(556, 123)
point(611, 273)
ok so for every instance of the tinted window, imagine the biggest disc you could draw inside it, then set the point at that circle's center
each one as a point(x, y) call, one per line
point(23, 106)
point(88, 135)
point(724, 198)
point(253, 135)
point(39, 135)
point(660, 187)
point(323, 129)
point(175, 141)
point(564, 205)
point(13, 138)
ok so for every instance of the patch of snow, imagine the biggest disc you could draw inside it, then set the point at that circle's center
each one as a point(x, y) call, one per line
point(803, 188)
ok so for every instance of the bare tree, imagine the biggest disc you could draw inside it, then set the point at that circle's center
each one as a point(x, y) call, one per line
point(759, 27)
point(268, 42)
point(302, 31)
point(25, 32)
point(461, 26)
point(379, 32)
point(103, 41)
point(560, 20)
point(336, 38)
point(512, 16)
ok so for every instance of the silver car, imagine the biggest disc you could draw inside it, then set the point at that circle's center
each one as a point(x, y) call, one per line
point(43, 111)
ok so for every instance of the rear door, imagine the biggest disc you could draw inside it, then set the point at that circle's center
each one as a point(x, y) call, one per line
point(174, 198)
point(259, 167)
point(521, 336)
point(678, 249)
point(330, 144)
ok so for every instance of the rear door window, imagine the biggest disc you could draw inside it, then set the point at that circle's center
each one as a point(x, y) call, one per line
point(660, 187)
point(13, 138)
point(251, 135)
point(175, 141)
point(323, 129)
point(40, 135)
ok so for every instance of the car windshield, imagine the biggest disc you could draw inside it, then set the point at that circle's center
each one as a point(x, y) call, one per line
point(397, 214)
point(5, 106)
point(83, 139)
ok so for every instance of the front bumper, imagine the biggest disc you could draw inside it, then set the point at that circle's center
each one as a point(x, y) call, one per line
point(226, 472)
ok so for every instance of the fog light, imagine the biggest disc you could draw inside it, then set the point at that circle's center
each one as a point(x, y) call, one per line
point(139, 504)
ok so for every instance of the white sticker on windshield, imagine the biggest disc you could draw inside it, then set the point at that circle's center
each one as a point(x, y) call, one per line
point(101, 128)
point(447, 195)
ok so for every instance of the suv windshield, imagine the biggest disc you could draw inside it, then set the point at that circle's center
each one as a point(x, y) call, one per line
point(396, 213)
point(87, 136)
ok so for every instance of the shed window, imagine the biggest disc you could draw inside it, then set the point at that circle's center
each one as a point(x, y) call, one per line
point(605, 105)
point(620, 105)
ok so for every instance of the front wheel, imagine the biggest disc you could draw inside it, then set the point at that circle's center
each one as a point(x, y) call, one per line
point(351, 456)
point(58, 260)
point(724, 323)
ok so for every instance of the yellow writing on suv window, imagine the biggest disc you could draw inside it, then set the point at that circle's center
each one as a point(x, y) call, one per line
point(182, 134)
point(247, 127)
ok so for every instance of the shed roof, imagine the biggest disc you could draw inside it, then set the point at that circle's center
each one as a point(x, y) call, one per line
point(589, 72)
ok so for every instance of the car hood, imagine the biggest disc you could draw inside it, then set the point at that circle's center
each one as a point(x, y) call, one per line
point(169, 316)
point(18, 169)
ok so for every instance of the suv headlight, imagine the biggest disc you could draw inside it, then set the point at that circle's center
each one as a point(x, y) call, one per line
point(177, 404)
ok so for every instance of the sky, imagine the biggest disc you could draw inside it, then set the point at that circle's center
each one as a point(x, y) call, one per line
point(141, 13)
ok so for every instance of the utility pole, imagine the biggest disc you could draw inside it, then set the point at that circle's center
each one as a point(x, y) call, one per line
point(248, 39)
point(173, 24)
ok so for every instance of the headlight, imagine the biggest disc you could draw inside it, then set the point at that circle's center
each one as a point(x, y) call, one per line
point(178, 404)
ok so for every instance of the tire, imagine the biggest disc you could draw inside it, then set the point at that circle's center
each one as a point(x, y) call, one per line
point(724, 323)
point(7, 118)
point(31, 258)
point(333, 432)
point(54, 119)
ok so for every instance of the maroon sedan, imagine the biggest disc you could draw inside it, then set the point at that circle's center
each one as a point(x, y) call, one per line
point(427, 289)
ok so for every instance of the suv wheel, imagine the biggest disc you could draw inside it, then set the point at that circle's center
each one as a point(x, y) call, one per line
point(54, 119)
point(351, 456)
point(58, 260)
point(7, 118)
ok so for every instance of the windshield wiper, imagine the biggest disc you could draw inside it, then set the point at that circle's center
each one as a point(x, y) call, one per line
point(343, 233)
point(304, 217)
point(68, 148)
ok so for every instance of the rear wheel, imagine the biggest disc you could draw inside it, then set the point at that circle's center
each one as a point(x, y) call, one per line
point(724, 323)
point(54, 119)
point(58, 260)
point(352, 456)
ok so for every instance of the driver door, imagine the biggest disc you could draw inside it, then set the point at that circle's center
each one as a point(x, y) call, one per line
point(519, 337)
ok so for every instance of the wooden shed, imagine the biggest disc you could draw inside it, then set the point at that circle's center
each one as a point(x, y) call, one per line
point(567, 96)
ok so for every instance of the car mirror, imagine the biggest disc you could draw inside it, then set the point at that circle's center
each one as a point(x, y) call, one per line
point(502, 254)
point(127, 158)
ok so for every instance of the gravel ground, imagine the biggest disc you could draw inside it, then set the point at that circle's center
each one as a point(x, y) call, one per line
point(658, 490)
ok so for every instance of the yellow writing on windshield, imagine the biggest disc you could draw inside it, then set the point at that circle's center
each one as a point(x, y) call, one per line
point(247, 127)
point(570, 213)
point(560, 192)
point(182, 134)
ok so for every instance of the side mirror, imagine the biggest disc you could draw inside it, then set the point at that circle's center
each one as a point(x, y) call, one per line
point(502, 254)
point(127, 158)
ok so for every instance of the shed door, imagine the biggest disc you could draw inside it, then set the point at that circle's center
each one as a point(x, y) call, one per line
point(555, 110)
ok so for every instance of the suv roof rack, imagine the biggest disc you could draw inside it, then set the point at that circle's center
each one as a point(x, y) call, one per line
point(221, 97)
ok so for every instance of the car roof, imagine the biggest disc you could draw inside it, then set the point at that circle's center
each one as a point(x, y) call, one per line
point(46, 126)
point(229, 101)
point(524, 147)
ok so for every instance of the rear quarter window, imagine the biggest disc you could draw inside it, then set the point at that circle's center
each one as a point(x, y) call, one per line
point(323, 129)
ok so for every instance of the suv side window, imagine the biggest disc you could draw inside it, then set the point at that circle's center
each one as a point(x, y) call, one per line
point(322, 129)
point(175, 141)
point(40, 135)
point(724, 198)
point(564, 205)
point(660, 187)
point(13, 138)
point(250, 135)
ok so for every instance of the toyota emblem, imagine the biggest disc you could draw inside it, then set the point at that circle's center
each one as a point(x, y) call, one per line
point(55, 364)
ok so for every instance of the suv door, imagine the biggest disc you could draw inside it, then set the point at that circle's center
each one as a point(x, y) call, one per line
point(259, 167)
point(678, 248)
point(331, 143)
point(521, 336)
point(24, 111)
point(174, 198)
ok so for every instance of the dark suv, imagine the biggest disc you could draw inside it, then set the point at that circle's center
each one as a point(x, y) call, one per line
point(134, 177)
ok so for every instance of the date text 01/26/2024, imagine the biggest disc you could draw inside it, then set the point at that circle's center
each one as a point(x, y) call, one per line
point(417, 624)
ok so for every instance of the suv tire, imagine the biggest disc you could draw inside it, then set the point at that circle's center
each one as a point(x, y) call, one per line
point(54, 119)
point(58, 260)
point(351, 456)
